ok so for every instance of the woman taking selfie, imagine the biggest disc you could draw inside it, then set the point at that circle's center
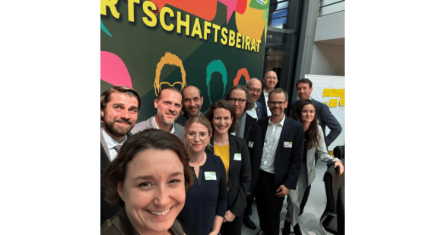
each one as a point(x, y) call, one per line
point(206, 202)
point(305, 113)
point(234, 154)
point(148, 179)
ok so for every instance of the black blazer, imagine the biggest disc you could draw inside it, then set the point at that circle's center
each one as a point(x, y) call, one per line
point(106, 212)
point(252, 135)
point(262, 101)
point(259, 109)
point(287, 161)
point(239, 174)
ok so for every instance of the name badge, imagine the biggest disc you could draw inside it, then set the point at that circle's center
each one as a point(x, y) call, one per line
point(210, 175)
point(288, 144)
point(250, 144)
point(237, 157)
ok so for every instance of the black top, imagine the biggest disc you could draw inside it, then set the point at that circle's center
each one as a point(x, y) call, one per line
point(306, 140)
point(207, 198)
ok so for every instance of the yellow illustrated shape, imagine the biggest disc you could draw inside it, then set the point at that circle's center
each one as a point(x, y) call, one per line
point(250, 23)
point(170, 59)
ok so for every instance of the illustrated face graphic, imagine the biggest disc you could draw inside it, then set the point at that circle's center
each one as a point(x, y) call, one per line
point(170, 59)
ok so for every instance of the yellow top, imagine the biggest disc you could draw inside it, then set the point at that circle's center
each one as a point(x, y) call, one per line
point(224, 153)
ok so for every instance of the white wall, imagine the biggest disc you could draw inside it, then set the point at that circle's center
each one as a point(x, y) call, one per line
point(328, 59)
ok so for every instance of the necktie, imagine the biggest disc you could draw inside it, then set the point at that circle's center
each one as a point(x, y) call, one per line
point(118, 147)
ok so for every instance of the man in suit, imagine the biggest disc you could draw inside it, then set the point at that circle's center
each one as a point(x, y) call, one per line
point(249, 130)
point(270, 80)
point(281, 159)
point(254, 87)
point(192, 100)
point(119, 107)
point(168, 105)
point(325, 118)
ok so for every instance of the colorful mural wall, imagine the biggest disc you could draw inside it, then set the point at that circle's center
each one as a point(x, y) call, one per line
point(212, 44)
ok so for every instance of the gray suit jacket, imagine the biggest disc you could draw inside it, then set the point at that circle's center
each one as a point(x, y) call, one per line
point(322, 155)
point(179, 130)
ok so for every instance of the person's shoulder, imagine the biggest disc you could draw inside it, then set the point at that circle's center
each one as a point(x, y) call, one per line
point(263, 120)
point(178, 127)
point(292, 122)
point(213, 159)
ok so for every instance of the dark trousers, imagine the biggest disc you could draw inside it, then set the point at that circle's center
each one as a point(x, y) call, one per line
point(234, 227)
point(249, 200)
point(269, 206)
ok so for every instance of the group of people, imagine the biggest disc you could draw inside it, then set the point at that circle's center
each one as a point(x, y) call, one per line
point(199, 172)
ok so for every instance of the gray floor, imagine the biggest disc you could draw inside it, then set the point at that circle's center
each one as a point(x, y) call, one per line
point(312, 212)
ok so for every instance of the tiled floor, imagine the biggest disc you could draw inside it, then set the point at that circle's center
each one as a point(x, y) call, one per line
point(312, 212)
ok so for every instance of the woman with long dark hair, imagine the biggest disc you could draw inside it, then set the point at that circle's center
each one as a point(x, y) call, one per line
point(306, 114)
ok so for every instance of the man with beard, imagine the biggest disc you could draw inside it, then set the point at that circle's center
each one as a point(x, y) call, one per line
point(192, 100)
point(119, 107)
point(283, 140)
point(270, 80)
point(168, 105)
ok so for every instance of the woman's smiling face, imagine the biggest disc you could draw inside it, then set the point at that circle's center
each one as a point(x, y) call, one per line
point(222, 120)
point(153, 190)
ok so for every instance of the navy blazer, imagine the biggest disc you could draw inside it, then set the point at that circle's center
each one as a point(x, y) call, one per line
point(325, 118)
point(262, 101)
point(239, 174)
point(287, 161)
point(252, 135)
point(259, 109)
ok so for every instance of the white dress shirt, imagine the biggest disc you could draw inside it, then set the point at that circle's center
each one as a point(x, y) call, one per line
point(266, 98)
point(111, 144)
point(252, 112)
point(273, 134)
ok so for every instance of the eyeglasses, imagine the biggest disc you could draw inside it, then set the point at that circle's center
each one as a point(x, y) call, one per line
point(273, 103)
point(254, 90)
point(240, 101)
point(191, 135)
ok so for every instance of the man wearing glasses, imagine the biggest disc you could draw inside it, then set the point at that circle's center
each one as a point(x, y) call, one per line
point(248, 129)
point(192, 100)
point(254, 87)
point(281, 160)
point(168, 105)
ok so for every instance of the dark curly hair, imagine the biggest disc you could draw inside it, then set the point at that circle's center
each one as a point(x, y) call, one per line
point(249, 102)
point(148, 139)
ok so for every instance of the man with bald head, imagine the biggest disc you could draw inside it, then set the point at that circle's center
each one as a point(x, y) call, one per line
point(254, 87)
point(270, 80)
point(192, 100)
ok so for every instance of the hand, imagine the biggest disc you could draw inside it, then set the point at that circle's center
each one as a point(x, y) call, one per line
point(229, 216)
point(213, 233)
point(248, 193)
point(283, 191)
point(340, 166)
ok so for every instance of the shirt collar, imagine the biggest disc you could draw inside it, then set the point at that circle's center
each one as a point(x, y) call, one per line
point(111, 143)
point(153, 119)
point(281, 123)
point(265, 93)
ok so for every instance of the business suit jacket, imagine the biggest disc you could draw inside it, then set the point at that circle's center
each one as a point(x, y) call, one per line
point(322, 152)
point(252, 135)
point(287, 161)
point(239, 174)
point(262, 101)
point(184, 118)
point(179, 130)
point(106, 212)
point(325, 118)
point(259, 109)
